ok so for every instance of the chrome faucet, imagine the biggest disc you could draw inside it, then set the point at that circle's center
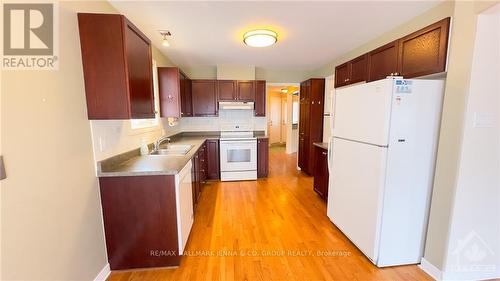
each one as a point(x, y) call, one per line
point(160, 141)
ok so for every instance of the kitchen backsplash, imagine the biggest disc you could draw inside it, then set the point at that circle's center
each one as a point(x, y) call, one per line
point(226, 117)
point(112, 137)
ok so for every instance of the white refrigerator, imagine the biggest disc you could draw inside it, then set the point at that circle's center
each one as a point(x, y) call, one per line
point(381, 162)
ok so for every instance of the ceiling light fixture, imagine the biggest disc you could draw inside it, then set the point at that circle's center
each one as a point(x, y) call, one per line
point(260, 38)
point(284, 90)
point(165, 34)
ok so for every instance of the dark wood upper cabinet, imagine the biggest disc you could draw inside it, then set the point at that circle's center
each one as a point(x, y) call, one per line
point(117, 67)
point(358, 69)
point(260, 98)
point(424, 52)
point(175, 93)
point(262, 157)
point(213, 166)
point(246, 90)
point(227, 90)
point(204, 97)
point(421, 53)
point(169, 84)
point(383, 61)
point(353, 71)
point(342, 75)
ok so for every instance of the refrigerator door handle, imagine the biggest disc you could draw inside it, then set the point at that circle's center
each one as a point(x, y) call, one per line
point(330, 143)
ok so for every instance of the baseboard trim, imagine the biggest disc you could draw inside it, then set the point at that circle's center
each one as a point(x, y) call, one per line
point(430, 269)
point(103, 274)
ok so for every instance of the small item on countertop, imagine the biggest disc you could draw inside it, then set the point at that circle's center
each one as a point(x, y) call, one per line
point(144, 148)
point(172, 121)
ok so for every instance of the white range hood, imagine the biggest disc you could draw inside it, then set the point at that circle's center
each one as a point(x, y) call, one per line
point(236, 105)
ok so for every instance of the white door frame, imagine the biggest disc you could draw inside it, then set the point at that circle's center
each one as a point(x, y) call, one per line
point(289, 135)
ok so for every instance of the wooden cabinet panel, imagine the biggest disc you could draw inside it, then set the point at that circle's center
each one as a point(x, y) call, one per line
point(139, 215)
point(303, 154)
point(424, 52)
point(227, 90)
point(204, 95)
point(213, 167)
point(341, 75)
point(262, 158)
point(140, 76)
point(383, 61)
point(321, 172)
point(197, 184)
point(310, 121)
point(117, 67)
point(169, 85)
point(260, 98)
point(358, 69)
point(186, 98)
point(246, 90)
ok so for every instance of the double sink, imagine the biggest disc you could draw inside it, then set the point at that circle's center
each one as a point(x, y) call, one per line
point(173, 150)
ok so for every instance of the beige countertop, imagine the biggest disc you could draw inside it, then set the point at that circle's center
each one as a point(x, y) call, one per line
point(323, 145)
point(133, 164)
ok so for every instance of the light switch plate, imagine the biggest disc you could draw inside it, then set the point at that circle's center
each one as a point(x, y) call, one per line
point(484, 120)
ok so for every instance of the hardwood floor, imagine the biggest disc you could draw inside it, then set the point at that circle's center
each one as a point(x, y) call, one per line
point(272, 229)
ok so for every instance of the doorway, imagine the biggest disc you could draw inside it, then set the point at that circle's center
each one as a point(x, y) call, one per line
point(279, 109)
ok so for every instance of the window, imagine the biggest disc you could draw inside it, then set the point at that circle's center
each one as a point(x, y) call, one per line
point(136, 124)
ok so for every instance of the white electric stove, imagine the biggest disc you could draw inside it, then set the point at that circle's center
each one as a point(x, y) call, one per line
point(238, 153)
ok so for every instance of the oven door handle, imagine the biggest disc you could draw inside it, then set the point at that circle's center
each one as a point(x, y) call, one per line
point(239, 142)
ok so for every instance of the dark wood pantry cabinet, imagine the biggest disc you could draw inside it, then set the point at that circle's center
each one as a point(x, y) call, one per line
point(312, 94)
point(421, 53)
point(262, 157)
point(321, 175)
point(204, 97)
point(117, 67)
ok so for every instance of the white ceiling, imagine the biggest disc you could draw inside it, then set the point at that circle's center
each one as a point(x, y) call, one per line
point(310, 33)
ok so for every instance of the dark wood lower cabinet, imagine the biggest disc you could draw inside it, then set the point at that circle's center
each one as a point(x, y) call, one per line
point(212, 159)
point(262, 157)
point(140, 220)
point(321, 172)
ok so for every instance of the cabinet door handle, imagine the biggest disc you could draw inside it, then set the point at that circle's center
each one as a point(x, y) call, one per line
point(324, 153)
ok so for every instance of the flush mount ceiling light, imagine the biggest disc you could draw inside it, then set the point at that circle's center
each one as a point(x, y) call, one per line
point(260, 38)
point(284, 90)
point(165, 34)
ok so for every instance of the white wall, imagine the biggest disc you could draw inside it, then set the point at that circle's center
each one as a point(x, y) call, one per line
point(51, 215)
point(474, 238)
